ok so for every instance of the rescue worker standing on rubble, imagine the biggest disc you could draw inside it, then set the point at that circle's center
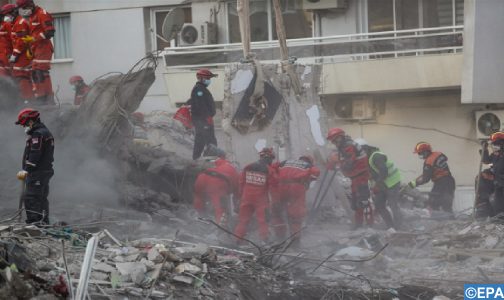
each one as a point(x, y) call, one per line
point(80, 87)
point(435, 168)
point(216, 185)
point(21, 57)
point(353, 163)
point(41, 32)
point(37, 165)
point(8, 13)
point(386, 184)
point(202, 112)
point(256, 181)
point(294, 178)
point(496, 159)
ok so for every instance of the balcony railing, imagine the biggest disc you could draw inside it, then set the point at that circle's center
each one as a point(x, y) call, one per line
point(362, 46)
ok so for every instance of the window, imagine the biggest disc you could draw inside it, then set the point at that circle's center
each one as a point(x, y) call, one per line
point(297, 22)
point(158, 16)
point(62, 38)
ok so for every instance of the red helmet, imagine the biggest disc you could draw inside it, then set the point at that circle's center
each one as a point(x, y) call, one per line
point(74, 79)
point(267, 153)
point(25, 115)
point(422, 147)
point(307, 158)
point(205, 73)
point(335, 132)
point(7, 9)
point(24, 3)
point(497, 136)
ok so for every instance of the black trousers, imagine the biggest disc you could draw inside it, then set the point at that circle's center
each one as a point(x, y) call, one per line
point(35, 197)
point(384, 197)
point(204, 134)
point(442, 194)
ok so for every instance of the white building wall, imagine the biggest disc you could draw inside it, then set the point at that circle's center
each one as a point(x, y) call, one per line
point(65, 6)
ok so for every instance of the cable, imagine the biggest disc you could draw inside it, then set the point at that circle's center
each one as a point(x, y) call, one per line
point(425, 129)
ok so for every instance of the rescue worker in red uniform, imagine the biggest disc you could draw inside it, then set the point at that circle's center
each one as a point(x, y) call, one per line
point(256, 181)
point(435, 168)
point(80, 87)
point(202, 112)
point(294, 178)
point(8, 13)
point(21, 57)
point(37, 165)
point(41, 32)
point(216, 185)
point(354, 165)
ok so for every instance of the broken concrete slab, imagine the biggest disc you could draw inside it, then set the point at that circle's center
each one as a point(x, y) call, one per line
point(183, 279)
point(103, 267)
point(187, 267)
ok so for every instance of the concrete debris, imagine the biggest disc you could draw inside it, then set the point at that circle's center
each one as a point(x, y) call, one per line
point(183, 279)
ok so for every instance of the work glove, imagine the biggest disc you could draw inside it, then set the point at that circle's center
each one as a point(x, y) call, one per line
point(412, 184)
point(13, 58)
point(21, 175)
point(28, 39)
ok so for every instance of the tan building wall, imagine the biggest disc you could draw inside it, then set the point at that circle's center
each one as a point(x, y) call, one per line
point(408, 119)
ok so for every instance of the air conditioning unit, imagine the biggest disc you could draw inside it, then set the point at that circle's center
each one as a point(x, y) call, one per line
point(488, 122)
point(193, 34)
point(325, 4)
point(355, 109)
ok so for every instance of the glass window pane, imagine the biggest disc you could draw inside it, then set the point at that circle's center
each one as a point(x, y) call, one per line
point(406, 14)
point(459, 12)
point(297, 22)
point(258, 22)
point(159, 16)
point(438, 13)
point(380, 14)
point(62, 38)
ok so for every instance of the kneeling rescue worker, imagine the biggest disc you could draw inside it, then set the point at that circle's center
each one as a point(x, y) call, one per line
point(354, 165)
point(294, 178)
point(37, 165)
point(435, 168)
point(256, 180)
point(216, 185)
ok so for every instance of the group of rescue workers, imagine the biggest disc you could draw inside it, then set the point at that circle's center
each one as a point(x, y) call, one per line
point(26, 49)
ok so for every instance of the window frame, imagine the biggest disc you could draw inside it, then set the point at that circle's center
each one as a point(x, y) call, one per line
point(154, 33)
point(66, 59)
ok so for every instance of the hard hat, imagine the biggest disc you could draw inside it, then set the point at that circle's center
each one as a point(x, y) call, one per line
point(497, 136)
point(24, 3)
point(267, 153)
point(307, 158)
point(205, 73)
point(335, 132)
point(25, 115)
point(74, 79)
point(361, 142)
point(7, 9)
point(422, 147)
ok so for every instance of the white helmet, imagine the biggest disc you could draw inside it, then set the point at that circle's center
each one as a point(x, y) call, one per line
point(361, 142)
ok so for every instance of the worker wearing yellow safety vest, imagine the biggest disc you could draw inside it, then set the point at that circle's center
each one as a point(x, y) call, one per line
point(386, 182)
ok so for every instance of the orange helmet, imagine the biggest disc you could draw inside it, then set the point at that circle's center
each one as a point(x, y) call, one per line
point(74, 79)
point(27, 114)
point(307, 158)
point(335, 132)
point(267, 153)
point(422, 147)
point(498, 136)
point(205, 73)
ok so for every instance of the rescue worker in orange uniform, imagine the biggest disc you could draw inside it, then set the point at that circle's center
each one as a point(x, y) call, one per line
point(435, 168)
point(41, 32)
point(21, 57)
point(256, 181)
point(80, 87)
point(216, 185)
point(294, 178)
point(8, 13)
point(354, 165)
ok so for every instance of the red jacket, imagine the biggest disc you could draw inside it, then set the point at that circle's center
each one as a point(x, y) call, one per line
point(256, 180)
point(297, 171)
point(354, 161)
point(41, 25)
point(6, 39)
point(20, 29)
point(225, 171)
